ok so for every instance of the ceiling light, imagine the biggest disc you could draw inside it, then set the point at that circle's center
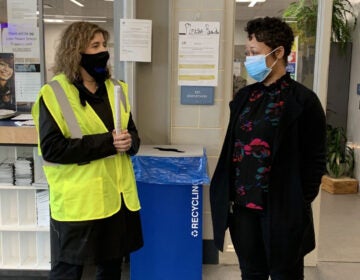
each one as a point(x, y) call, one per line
point(252, 3)
point(49, 20)
point(77, 3)
point(67, 18)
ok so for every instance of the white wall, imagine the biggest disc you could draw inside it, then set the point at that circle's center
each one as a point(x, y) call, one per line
point(204, 125)
point(152, 79)
point(240, 35)
point(353, 130)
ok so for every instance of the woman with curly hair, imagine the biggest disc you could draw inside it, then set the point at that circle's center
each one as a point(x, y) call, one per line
point(271, 163)
point(93, 197)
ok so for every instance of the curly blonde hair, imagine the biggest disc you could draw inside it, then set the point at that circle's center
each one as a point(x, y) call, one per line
point(74, 40)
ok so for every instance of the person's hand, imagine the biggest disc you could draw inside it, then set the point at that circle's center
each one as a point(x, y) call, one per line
point(122, 141)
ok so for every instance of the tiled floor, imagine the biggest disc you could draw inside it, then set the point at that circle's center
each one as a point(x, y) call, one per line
point(338, 249)
point(339, 243)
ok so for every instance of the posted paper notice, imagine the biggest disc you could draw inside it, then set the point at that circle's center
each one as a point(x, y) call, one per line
point(135, 40)
point(198, 59)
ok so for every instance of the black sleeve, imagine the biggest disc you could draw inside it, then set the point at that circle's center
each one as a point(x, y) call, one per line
point(314, 148)
point(134, 137)
point(58, 149)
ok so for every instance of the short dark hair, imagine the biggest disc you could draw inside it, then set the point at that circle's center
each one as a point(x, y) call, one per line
point(273, 32)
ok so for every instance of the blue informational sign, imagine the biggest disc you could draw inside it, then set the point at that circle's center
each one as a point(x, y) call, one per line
point(197, 95)
point(291, 67)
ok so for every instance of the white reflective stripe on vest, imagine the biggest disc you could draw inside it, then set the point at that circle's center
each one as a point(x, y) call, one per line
point(68, 112)
point(69, 115)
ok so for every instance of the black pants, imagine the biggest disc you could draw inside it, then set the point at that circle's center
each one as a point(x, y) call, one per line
point(106, 271)
point(248, 234)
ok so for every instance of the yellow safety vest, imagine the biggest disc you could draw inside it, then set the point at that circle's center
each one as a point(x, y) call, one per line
point(90, 191)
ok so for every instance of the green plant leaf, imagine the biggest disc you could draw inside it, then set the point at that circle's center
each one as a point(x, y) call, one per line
point(344, 20)
point(340, 158)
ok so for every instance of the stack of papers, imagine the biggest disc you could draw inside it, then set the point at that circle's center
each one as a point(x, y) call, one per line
point(22, 117)
point(24, 120)
point(6, 174)
point(24, 171)
point(40, 183)
point(25, 123)
point(4, 113)
point(42, 208)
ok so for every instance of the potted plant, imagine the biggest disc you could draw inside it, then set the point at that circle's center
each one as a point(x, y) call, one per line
point(340, 161)
point(304, 12)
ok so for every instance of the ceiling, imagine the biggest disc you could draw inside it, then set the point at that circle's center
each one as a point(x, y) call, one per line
point(93, 10)
point(268, 8)
point(104, 8)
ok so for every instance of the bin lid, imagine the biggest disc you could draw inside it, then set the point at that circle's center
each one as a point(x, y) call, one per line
point(171, 164)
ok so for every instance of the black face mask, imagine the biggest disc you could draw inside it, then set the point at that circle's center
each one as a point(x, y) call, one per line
point(95, 65)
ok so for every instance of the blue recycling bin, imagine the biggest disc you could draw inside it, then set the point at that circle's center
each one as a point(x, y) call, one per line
point(169, 180)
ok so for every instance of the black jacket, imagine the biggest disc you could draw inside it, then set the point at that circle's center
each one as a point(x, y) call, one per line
point(298, 165)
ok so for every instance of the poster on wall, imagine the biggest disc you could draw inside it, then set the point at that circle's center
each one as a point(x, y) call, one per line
point(27, 81)
point(135, 40)
point(22, 34)
point(293, 59)
point(7, 82)
point(198, 53)
point(20, 37)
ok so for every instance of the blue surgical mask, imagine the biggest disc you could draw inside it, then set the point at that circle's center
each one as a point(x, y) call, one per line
point(256, 66)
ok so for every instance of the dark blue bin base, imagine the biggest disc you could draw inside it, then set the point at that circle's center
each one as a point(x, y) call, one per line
point(171, 217)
